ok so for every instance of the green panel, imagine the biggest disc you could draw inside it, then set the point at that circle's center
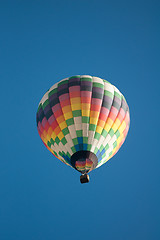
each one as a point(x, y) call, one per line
point(104, 155)
point(52, 141)
point(77, 113)
point(92, 127)
point(52, 92)
point(85, 119)
point(68, 154)
point(110, 154)
point(115, 144)
point(104, 133)
point(107, 147)
point(73, 149)
point(99, 85)
point(117, 133)
point(89, 147)
point(111, 132)
point(49, 144)
point(117, 95)
point(61, 154)
point(77, 76)
point(40, 106)
point(45, 104)
point(96, 150)
point(70, 122)
point(85, 140)
point(97, 135)
point(75, 141)
point(65, 131)
point(107, 93)
point(64, 141)
point(57, 140)
point(101, 148)
point(86, 79)
point(79, 133)
point(63, 82)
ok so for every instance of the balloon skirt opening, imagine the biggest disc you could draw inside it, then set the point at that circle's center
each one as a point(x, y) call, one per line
point(84, 161)
point(84, 178)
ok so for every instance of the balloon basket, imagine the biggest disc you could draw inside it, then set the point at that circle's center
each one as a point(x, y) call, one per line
point(84, 178)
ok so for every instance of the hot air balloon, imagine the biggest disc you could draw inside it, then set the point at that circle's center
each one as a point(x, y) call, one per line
point(83, 121)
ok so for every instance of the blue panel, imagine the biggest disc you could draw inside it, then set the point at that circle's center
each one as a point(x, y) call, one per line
point(80, 140)
point(85, 146)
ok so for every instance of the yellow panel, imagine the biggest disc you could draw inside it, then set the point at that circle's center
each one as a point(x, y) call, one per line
point(48, 137)
point(53, 136)
point(109, 121)
point(76, 106)
point(85, 113)
point(93, 120)
point(99, 129)
point(45, 140)
point(120, 139)
point(60, 135)
point(62, 125)
point(115, 127)
point(117, 122)
point(68, 115)
point(122, 127)
point(108, 125)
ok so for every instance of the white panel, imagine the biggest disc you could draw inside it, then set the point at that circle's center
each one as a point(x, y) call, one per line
point(100, 142)
point(72, 131)
point(69, 140)
point(90, 137)
point(94, 145)
point(113, 139)
point(78, 120)
point(68, 147)
point(85, 127)
point(106, 141)
point(53, 87)
point(78, 126)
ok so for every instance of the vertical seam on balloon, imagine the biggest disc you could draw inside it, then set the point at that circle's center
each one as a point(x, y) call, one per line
point(64, 115)
point(107, 117)
point(100, 113)
point(46, 138)
point(73, 110)
point(90, 106)
point(60, 149)
point(120, 143)
point(125, 132)
point(124, 137)
point(109, 157)
point(112, 123)
point(87, 124)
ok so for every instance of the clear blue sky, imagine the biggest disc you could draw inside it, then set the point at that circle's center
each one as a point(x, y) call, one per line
point(42, 42)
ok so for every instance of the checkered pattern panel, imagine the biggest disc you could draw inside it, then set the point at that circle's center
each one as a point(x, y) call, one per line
point(83, 113)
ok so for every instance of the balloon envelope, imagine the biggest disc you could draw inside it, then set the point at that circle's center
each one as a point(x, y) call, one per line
point(83, 121)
